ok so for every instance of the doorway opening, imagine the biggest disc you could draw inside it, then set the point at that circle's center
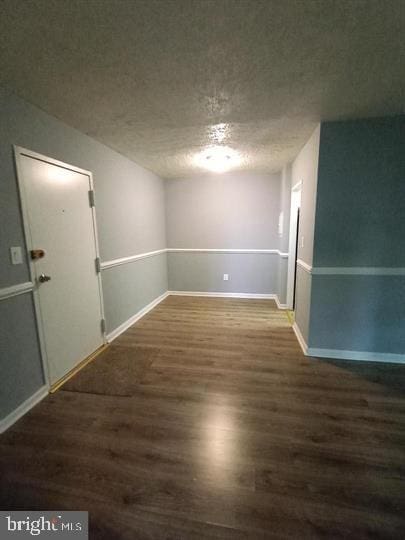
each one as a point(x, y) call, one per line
point(293, 246)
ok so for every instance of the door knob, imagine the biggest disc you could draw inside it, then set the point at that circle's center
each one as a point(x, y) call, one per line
point(43, 278)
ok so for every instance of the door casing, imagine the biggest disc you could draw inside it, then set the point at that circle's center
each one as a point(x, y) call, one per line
point(292, 246)
point(18, 153)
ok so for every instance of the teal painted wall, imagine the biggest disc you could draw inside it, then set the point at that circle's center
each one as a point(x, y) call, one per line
point(360, 211)
point(360, 222)
point(358, 313)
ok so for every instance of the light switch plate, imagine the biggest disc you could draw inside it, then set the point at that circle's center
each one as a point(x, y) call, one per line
point(280, 223)
point(16, 255)
point(226, 277)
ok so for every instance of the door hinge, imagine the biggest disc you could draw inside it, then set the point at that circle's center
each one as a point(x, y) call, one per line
point(103, 325)
point(98, 264)
point(91, 198)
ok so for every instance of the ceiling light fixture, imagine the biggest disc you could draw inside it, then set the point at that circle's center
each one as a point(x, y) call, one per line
point(218, 158)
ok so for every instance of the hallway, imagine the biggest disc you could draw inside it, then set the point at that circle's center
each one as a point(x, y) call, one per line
point(205, 420)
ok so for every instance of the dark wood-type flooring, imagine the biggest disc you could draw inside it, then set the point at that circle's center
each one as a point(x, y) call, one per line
point(205, 420)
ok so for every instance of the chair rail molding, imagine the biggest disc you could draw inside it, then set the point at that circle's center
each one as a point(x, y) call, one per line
point(358, 271)
point(351, 270)
point(228, 250)
point(131, 258)
point(307, 267)
point(15, 290)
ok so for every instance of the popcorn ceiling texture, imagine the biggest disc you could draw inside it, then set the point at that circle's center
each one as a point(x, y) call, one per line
point(159, 81)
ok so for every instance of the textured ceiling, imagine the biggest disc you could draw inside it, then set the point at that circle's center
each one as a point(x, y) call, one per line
point(159, 81)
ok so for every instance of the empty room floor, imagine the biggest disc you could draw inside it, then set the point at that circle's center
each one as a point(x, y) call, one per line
point(205, 420)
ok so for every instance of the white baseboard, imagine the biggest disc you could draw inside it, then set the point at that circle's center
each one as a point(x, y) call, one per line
point(362, 356)
point(280, 306)
point(225, 295)
point(231, 295)
point(124, 326)
point(22, 409)
point(300, 338)
point(338, 354)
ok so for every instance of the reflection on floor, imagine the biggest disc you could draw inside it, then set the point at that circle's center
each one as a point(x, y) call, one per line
point(205, 420)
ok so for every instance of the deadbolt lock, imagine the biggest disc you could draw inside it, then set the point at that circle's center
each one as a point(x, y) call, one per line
point(37, 254)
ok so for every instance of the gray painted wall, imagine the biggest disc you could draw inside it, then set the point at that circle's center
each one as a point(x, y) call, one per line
point(130, 287)
point(227, 211)
point(285, 207)
point(130, 216)
point(282, 279)
point(20, 359)
point(303, 304)
point(130, 200)
point(237, 210)
point(305, 170)
point(203, 272)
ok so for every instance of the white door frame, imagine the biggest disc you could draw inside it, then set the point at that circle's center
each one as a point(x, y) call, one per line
point(292, 246)
point(18, 153)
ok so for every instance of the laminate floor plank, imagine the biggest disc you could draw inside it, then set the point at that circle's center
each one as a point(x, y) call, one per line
point(205, 420)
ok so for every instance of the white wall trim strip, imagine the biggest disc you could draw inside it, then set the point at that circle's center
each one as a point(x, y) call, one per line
point(224, 295)
point(338, 354)
point(297, 186)
point(226, 250)
point(359, 271)
point(15, 290)
point(132, 320)
point(356, 355)
point(132, 258)
point(300, 338)
point(279, 305)
point(230, 295)
point(22, 409)
point(308, 268)
point(351, 270)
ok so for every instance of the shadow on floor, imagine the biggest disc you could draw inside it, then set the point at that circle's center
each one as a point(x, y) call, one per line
point(389, 375)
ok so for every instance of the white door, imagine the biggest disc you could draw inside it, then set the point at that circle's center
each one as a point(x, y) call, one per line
point(59, 219)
